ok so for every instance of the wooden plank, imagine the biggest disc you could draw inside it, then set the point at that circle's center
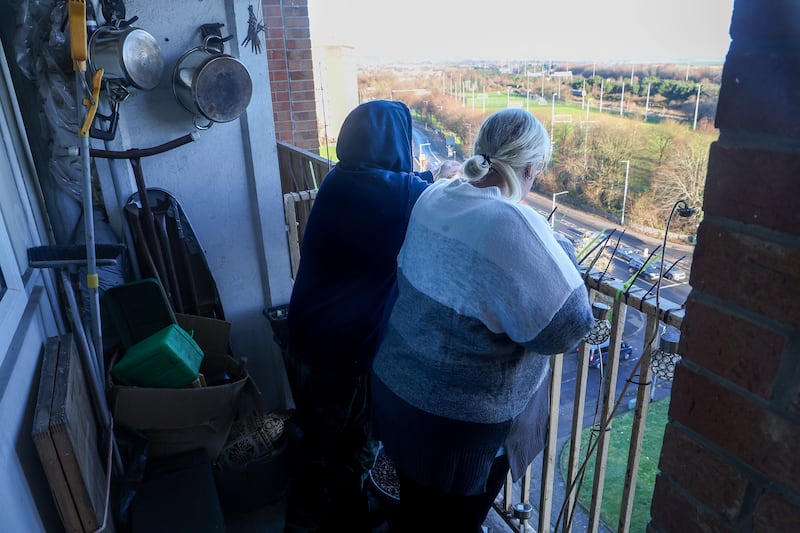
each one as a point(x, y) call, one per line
point(44, 443)
point(296, 208)
point(609, 408)
point(291, 227)
point(508, 495)
point(637, 431)
point(549, 457)
point(74, 432)
point(576, 468)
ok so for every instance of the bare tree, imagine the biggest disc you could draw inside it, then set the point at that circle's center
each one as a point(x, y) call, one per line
point(683, 174)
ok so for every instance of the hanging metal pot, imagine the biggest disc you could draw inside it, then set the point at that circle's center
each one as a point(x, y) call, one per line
point(214, 86)
point(129, 56)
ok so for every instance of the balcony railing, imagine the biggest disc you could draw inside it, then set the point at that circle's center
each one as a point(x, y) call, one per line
point(301, 173)
point(301, 169)
point(669, 313)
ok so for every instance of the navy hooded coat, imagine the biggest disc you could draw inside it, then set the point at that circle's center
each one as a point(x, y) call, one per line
point(346, 282)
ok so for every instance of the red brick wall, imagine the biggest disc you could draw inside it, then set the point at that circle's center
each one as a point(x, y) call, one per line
point(288, 48)
point(731, 455)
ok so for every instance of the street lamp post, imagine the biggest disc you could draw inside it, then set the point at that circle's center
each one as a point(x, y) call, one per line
point(602, 85)
point(422, 155)
point(553, 212)
point(625, 191)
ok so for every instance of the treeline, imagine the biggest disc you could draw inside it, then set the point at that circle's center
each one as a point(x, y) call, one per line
point(672, 91)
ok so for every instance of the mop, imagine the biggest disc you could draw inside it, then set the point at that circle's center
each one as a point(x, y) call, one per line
point(78, 48)
point(79, 52)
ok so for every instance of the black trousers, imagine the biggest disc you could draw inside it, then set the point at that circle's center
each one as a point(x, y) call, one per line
point(424, 509)
point(332, 460)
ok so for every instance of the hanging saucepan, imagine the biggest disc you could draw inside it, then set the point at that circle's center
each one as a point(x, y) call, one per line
point(129, 56)
point(214, 86)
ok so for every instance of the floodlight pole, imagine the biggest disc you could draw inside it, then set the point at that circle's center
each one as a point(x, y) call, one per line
point(625, 191)
point(696, 107)
point(553, 124)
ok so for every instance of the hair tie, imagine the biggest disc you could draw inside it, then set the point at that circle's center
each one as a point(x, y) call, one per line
point(487, 159)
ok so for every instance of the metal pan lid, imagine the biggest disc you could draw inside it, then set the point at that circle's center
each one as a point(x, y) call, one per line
point(222, 89)
point(142, 59)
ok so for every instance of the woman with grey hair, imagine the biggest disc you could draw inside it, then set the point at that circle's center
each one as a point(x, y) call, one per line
point(486, 293)
point(512, 148)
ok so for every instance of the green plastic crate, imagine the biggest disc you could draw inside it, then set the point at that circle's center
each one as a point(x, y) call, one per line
point(170, 358)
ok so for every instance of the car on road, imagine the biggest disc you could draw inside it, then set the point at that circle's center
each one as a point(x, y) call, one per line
point(598, 352)
point(653, 270)
point(650, 273)
point(626, 254)
point(674, 274)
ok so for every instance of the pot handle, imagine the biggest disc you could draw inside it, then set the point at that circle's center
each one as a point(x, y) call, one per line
point(216, 48)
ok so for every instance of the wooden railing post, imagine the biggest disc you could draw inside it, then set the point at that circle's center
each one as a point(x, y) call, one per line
point(549, 459)
point(639, 418)
point(609, 395)
point(579, 407)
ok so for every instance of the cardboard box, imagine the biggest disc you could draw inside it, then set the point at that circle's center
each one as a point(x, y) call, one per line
point(180, 420)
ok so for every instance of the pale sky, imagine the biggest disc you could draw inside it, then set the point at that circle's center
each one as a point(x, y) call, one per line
point(576, 30)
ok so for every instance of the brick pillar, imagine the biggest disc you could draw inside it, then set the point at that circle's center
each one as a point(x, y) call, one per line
point(731, 455)
point(291, 76)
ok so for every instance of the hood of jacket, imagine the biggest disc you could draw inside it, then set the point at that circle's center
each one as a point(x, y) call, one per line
point(376, 135)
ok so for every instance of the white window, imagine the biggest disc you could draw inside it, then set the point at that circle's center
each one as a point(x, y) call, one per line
point(15, 213)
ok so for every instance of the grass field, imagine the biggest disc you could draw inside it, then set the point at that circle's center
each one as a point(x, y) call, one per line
point(617, 464)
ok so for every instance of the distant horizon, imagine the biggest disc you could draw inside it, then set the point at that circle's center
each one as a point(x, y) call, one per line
point(618, 32)
point(534, 61)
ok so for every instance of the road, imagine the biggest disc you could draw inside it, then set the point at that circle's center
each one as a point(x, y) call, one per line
point(428, 147)
point(572, 223)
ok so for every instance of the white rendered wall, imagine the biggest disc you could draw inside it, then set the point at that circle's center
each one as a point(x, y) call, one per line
point(227, 182)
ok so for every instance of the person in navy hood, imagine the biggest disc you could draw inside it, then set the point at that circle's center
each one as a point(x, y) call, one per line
point(343, 293)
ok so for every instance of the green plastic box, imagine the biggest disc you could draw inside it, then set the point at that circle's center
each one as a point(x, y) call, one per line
point(169, 358)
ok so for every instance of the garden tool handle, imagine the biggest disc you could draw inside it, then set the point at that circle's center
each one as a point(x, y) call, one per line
point(77, 34)
point(92, 102)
